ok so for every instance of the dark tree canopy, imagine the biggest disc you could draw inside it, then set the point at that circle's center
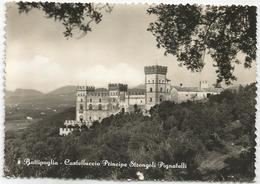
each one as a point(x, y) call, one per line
point(74, 16)
point(190, 31)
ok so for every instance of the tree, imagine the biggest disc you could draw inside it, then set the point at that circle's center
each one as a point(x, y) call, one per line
point(73, 16)
point(189, 32)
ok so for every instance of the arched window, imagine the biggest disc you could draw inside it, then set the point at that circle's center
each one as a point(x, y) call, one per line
point(81, 107)
point(100, 100)
point(151, 89)
point(81, 118)
point(161, 89)
point(90, 100)
point(81, 100)
point(151, 99)
point(99, 107)
point(90, 107)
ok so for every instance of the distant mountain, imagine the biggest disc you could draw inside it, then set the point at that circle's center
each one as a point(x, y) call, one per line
point(8, 93)
point(65, 90)
point(26, 92)
point(20, 95)
point(140, 86)
point(29, 98)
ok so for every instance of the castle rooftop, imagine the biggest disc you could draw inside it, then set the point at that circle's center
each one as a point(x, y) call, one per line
point(155, 69)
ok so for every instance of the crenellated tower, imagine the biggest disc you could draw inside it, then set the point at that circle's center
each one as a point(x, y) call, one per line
point(155, 84)
point(81, 102)
point(117, 91)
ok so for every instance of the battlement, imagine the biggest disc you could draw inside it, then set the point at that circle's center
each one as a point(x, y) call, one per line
point(117, 87)
point(85, 88)
point(155, 69)
point(203, 84)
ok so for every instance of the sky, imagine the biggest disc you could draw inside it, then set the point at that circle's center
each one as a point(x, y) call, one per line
point(38, 56)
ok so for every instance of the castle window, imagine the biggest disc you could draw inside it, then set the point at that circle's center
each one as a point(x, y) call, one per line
point(153, 81)
point(160, 99)
point(89, 117)
point(99, 107)
point(148, 81)
point(151, 99)
point(90, 100)
point(81, 100)
point(161, 89)
point(81, 107)
point(141, 101)
point(167, 90)
point(81, 118)
point(159, 81)
point(162, 81)
point(90, 107)
point(151, 89)
point(100, 100)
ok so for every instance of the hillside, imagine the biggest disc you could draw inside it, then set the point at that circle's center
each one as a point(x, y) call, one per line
point(216, 139)
point(140, 86)
point(28, 98)
point(20, 93)
point(65, 90)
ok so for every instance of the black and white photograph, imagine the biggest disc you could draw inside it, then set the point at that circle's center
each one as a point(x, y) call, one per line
point(130, 92)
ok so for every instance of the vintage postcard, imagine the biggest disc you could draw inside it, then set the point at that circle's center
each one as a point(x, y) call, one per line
point(155, 92)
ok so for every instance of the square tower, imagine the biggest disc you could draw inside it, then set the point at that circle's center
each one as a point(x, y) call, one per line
point(155, 85)
point(81, 102)
point(117, 91)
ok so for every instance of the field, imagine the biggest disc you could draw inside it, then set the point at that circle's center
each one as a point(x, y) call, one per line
point(18, 118)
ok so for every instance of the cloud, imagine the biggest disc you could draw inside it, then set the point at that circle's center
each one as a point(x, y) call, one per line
point(44, 74)
point(37, 73)
point(100, 75)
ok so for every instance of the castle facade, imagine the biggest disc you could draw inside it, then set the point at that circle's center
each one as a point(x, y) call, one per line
point(95, 104)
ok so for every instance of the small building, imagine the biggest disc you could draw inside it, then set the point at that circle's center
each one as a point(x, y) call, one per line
point(65, 131)
point(182, 94)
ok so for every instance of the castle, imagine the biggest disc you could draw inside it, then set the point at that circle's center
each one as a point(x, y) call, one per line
point(96, 104)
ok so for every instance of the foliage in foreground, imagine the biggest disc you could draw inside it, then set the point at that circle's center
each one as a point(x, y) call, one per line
point(215, 138)
point(189, 32)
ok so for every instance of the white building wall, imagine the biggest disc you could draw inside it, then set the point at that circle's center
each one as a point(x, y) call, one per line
point(136, 99)
point(81, 102)
point(183, 96)
point(65, 131)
